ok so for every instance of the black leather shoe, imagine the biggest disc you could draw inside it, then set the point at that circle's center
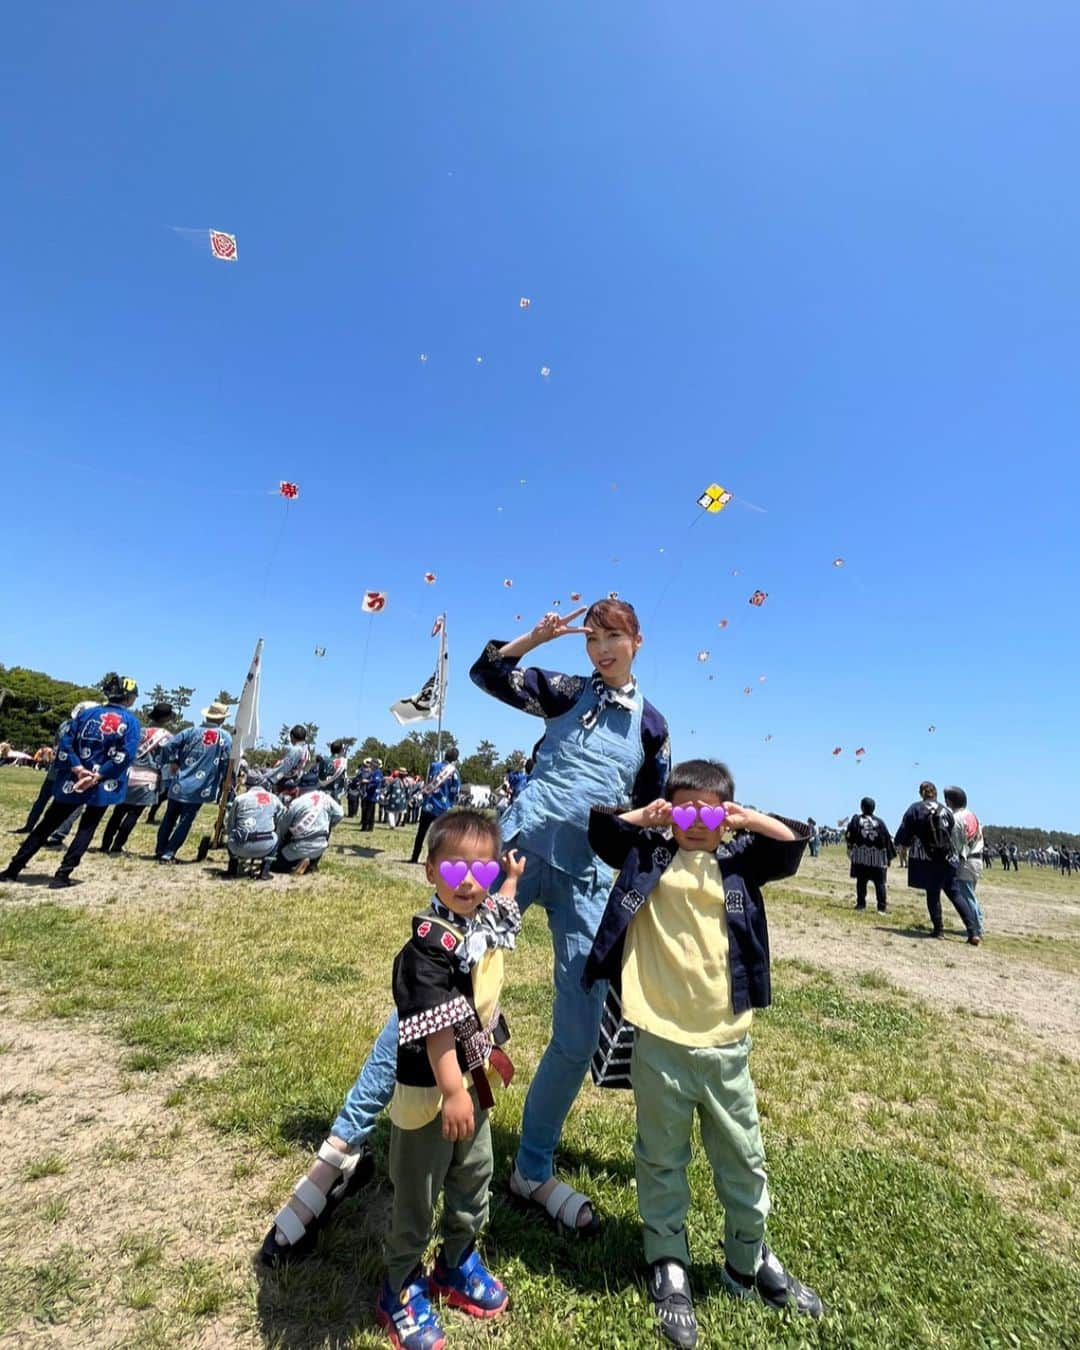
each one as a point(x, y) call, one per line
point(61, 881)
point(774, 1286)
point(669, 1290)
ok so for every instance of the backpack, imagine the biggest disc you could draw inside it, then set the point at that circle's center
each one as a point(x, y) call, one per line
point(938, 840)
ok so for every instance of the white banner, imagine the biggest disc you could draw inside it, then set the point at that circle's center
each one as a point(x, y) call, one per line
point(247, 714)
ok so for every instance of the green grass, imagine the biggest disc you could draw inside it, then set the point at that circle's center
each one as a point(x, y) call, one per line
point(923, 1165)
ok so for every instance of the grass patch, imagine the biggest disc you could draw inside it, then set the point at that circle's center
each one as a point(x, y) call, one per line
point(50, 1166)
point(923, 1165)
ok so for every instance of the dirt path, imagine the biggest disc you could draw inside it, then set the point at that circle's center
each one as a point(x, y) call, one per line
point(120, 1215)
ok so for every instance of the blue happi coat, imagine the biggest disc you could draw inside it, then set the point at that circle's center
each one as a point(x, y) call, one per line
point(103, 740)
point(201, 756)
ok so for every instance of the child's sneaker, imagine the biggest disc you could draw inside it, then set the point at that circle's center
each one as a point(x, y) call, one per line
point(408, 1316)
point(773, 1285)
point(469, 1286)
point(669, 1290)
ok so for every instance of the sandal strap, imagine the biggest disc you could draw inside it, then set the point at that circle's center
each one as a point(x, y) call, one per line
point(290, 1224)
point(334, 1156)
point(309, 1194)
point(569, 1204)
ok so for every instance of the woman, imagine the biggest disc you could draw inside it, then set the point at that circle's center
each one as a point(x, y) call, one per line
point(602, 742)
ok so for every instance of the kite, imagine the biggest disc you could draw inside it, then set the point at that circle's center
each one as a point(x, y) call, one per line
point(290, 491)
point(749, 689)
point(838, 562)
point(722, 624)
point(613, 595)
point(223, 246)
point(762, 679)
point(838, 750)
point(423, 356)
point(860, 752)
point(524, 302)
point(373, 602)
point(507, 583)
point(517, 618)
point(714, 498)
point(320, 651)
point(759, 598)
point(703, 656)
point(931, 729)
point(556, 604)
point(735, 572)
point(575, 596)
point(545, 371)
point(479, 360)
point(769, 737)
point(430, 578)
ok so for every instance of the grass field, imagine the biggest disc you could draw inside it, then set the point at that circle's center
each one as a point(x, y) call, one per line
point(172, 1047)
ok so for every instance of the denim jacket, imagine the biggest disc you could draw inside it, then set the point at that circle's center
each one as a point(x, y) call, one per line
point(747, 862)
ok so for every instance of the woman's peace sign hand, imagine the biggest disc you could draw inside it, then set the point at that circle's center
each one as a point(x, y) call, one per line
point(554, 625)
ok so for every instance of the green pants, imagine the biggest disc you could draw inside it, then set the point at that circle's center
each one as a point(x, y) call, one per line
point(671, 1082)
point(423, 1164)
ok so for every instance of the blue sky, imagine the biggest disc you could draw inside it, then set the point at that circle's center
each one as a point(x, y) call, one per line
point(821, 254)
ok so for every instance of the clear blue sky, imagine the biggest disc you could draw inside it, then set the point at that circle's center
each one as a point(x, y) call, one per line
point(823, 254)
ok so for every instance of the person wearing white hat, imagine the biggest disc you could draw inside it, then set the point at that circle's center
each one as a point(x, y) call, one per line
point(201, 756)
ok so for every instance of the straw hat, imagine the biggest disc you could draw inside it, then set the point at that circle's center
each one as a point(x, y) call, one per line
point(217, 712)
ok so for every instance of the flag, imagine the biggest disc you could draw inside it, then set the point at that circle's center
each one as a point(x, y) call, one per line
point(431, 700)
point(373, 602)
point(247, 714)
point(223, 245)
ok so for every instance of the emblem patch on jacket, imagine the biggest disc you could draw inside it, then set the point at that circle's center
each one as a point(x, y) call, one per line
point(632, 901)
point(734, 901)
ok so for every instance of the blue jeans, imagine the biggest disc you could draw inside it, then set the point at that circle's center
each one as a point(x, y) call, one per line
point(965, 890)
point(574, 907)
point(175, 827)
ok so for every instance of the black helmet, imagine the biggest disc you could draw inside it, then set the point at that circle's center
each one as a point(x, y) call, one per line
point(119, 688)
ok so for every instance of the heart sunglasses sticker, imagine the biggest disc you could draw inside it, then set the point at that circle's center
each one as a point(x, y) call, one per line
point(484, 872)
point(711, 816)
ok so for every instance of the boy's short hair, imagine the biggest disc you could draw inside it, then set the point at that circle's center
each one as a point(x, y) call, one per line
point(956, 798)
point(452, 755)
point(298, 733)
point(454, 827)
point(868, 806)
point(336, 747)
point(701, 775)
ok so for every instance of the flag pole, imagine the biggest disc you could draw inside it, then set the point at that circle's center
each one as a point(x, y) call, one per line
point(213, 840)
point(442, 686)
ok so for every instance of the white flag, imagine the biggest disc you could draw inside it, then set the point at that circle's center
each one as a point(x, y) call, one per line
point(247, 714)
point(431, 700)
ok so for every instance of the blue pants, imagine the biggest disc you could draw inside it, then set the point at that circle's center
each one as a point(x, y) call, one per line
point(574, 907)
point(175, 827)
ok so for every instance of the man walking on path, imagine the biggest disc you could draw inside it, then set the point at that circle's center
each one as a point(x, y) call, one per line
point(930, 833)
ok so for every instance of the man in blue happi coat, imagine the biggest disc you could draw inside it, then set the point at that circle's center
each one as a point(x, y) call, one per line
point(94, 755)
point(201, 755)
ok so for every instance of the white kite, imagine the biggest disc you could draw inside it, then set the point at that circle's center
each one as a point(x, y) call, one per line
point(223, 246)
point(374, 602)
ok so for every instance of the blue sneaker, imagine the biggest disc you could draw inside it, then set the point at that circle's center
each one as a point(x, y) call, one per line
point(408, 1316)
point(469, 1286)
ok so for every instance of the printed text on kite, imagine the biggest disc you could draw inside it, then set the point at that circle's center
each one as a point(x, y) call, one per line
point(860, 752)
point(223, 246)
point(374, 602)
point(575, 596)
point(714, 498)
point(289, 491)
point(759, 598)
point(430, 578)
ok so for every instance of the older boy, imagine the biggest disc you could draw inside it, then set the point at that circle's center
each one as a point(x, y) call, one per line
point(685, 936)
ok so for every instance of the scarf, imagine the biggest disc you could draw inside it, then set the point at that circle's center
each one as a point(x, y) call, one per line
point(614, 698)
point(484, 930)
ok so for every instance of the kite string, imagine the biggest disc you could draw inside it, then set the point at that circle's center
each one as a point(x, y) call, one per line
point(363, 664)
point(274, 551)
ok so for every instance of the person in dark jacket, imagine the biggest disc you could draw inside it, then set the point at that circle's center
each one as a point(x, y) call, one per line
point(870, 847)
point(684, 943)
point(95, 754)
point(372, 791)
point(930, 833)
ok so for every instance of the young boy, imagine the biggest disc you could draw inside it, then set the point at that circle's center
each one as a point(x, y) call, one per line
point(447, 981)
point(684, 936)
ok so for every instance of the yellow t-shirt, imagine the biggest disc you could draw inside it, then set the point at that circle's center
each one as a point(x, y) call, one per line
point(676, 978)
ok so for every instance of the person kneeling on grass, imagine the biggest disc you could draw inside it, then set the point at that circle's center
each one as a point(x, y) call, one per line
point(684, 937)
point(304, 830)
point(251, 830)
point(447, 982)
